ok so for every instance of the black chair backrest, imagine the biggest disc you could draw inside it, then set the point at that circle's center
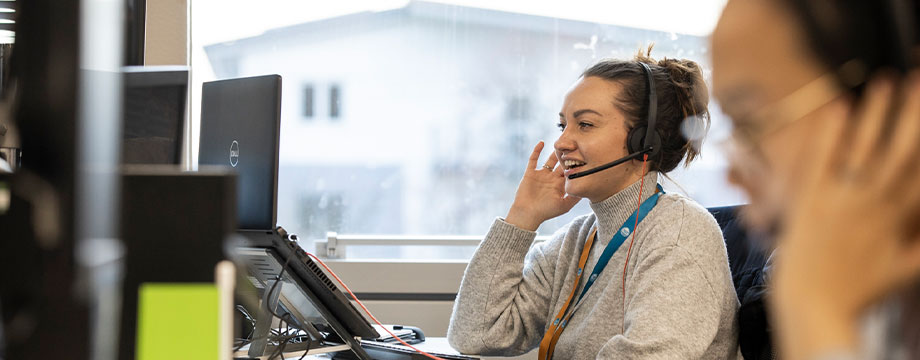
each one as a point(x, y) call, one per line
point(745, 258)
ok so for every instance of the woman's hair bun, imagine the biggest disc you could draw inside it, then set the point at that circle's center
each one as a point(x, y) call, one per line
point(686, 78)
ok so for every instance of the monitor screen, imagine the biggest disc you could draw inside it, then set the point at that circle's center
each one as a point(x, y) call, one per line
point(154, 114)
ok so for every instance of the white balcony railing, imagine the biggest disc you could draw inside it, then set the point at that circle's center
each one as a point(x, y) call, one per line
point(335, 245)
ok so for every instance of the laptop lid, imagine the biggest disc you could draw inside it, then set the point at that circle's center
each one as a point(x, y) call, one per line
point(240, 126)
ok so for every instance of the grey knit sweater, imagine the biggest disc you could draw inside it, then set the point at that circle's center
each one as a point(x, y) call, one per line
point(680, 302)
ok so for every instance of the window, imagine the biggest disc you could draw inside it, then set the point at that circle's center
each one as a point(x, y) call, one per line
point(445, 101)
point(308, 101)
point(518, 109)
point(335, 102)
point(322, 211)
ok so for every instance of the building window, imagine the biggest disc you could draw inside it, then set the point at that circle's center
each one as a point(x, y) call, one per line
point(308, 101)
point(518, 109)
point(335, 102)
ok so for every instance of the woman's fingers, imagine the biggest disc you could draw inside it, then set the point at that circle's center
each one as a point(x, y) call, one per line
point(911, 261)
point(826, 144)
point(870, 121)
point(823, 151)
point(559, 169)
point(534, 156)
point(901, 154)
point(551, 162)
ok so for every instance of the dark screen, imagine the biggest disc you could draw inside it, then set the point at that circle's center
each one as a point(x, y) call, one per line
point(153, 124)
point(154, 114)
point(240, 125)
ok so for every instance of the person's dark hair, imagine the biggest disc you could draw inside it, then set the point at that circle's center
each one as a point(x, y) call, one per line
point(865, 35)
point(682, 94)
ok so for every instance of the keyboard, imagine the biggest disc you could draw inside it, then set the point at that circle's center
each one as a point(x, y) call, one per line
point(385, 351)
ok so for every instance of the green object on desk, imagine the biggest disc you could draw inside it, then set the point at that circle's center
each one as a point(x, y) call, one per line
point(177, 320)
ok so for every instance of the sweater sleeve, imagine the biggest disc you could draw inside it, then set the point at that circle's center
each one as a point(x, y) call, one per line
point(504, 296)
point(672, 309)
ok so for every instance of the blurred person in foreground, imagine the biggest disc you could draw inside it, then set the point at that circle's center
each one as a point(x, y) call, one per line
point(825, 106)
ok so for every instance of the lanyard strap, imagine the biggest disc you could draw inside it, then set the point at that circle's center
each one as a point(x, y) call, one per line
point(548, 344)
point(618, 239)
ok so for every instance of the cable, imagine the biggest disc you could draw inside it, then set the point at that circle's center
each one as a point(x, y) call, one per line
point(307, 350)
point(271, 310)
point(279, 348)
point(635, 230)
point(248, 339)
point(368, 312)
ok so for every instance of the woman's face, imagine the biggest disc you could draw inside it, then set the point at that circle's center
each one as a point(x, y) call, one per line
point(760, 60)
point(593, 134)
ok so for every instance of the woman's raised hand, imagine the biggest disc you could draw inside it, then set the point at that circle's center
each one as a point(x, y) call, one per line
point(541, 194)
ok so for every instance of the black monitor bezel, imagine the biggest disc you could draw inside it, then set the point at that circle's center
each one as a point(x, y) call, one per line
point(167, 75)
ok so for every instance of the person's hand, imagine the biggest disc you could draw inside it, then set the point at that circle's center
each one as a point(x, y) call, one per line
point(850, 238)
point(541, 194)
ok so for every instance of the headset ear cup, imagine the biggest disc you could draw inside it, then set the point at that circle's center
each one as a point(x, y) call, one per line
point(655, 141)
point(635, 138)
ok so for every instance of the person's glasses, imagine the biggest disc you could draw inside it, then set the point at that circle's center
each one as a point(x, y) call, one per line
point(752, 129)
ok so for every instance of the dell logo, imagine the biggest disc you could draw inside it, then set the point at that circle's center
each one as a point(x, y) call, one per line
point(234, 153)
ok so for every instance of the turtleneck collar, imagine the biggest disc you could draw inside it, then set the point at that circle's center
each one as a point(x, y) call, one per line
point(612, 212)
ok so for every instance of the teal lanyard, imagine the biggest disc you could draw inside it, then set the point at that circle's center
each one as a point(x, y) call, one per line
point(618, 238)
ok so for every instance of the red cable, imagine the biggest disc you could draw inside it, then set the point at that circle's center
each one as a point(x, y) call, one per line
point(635, 230)
point(368, 311)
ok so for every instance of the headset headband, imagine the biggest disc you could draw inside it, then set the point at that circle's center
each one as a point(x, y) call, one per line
point(652, 113)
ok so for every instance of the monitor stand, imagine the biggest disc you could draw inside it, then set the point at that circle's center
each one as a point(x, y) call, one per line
point(260, 346)
point(264, 322)
point(319, 343)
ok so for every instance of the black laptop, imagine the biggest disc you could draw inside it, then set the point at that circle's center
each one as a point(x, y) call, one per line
point(240, 125)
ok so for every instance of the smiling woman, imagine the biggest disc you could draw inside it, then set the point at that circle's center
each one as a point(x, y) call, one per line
point(666, 294)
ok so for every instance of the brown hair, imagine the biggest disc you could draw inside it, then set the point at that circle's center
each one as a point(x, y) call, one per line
point(682, 94)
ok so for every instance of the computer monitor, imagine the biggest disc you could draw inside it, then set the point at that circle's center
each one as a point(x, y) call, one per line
point(154, 114)
point(240, 126)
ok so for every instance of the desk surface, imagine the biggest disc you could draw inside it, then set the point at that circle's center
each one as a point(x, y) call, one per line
point(437, 345)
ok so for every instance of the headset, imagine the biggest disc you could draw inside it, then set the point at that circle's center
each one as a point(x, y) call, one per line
point(641, 140)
